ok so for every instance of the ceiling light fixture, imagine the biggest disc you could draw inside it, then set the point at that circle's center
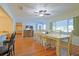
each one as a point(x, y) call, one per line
point(42, 13)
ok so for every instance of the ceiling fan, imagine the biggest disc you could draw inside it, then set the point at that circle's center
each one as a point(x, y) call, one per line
point(42, 12)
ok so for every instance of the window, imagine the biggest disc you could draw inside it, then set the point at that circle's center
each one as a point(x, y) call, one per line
point(41, 27)
point(64, 25)
point(70, 27)
point(54, 26)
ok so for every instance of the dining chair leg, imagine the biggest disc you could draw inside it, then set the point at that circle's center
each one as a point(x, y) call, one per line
point(69, 47)
point(13, 49)
point(11, 53)
point(69, 50)
point(8, 54)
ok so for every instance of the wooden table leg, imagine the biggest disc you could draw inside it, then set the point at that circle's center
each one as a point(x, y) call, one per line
point(69, 47)
point(58, 47)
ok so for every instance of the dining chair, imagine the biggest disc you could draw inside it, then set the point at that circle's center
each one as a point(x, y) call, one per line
point(41, 39)
point(46, 41)
point(37, 37)
point(8, 46)
point(67, 43)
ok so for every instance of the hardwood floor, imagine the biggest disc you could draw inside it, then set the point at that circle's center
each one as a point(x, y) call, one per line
point(29, 47)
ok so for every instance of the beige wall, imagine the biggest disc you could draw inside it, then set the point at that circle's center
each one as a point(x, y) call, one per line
point(6, 23)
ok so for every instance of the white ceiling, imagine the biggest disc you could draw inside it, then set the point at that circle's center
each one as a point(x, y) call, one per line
point(25, 11)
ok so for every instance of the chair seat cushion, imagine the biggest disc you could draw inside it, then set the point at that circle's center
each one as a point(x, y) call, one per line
point(3, 50)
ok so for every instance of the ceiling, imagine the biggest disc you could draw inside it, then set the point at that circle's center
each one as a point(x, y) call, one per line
point(25, 11)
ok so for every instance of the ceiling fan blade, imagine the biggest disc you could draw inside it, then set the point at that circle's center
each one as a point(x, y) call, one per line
point(45, 10)
point(47, 14)
point(35, 12)
point(41, 11)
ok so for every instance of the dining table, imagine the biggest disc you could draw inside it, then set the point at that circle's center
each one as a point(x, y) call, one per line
point(57, 38)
